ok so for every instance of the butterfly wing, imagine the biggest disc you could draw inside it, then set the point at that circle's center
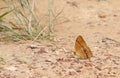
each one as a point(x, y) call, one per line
point(81, 48)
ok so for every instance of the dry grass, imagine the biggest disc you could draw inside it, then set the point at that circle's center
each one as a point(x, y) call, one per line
point(23, 24)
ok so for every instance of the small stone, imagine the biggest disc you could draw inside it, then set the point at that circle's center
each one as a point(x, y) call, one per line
point(11, 68)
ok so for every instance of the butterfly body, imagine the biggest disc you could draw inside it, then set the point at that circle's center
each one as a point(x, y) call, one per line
point(81, 49)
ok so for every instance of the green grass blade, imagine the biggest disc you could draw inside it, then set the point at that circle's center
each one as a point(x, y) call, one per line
point(4, 14)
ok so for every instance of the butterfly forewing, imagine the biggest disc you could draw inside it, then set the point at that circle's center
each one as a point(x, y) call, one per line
point(81, 48)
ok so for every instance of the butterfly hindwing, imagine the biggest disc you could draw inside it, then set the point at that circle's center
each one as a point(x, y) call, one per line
point(81, 48)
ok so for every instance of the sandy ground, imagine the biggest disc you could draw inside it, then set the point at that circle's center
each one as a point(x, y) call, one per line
point(98, 23)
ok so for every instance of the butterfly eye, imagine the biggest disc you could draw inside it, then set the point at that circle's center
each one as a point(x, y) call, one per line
point(81, 48)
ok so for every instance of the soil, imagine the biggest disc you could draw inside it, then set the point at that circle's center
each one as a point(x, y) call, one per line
point(97, 21)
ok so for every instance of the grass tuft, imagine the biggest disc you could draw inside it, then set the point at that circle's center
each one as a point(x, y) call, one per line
point(23, 24)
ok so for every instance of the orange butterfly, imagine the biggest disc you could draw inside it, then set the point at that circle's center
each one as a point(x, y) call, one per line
point(81, 49)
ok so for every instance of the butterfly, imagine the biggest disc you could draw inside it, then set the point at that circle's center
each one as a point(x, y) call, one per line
point(81, 49)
